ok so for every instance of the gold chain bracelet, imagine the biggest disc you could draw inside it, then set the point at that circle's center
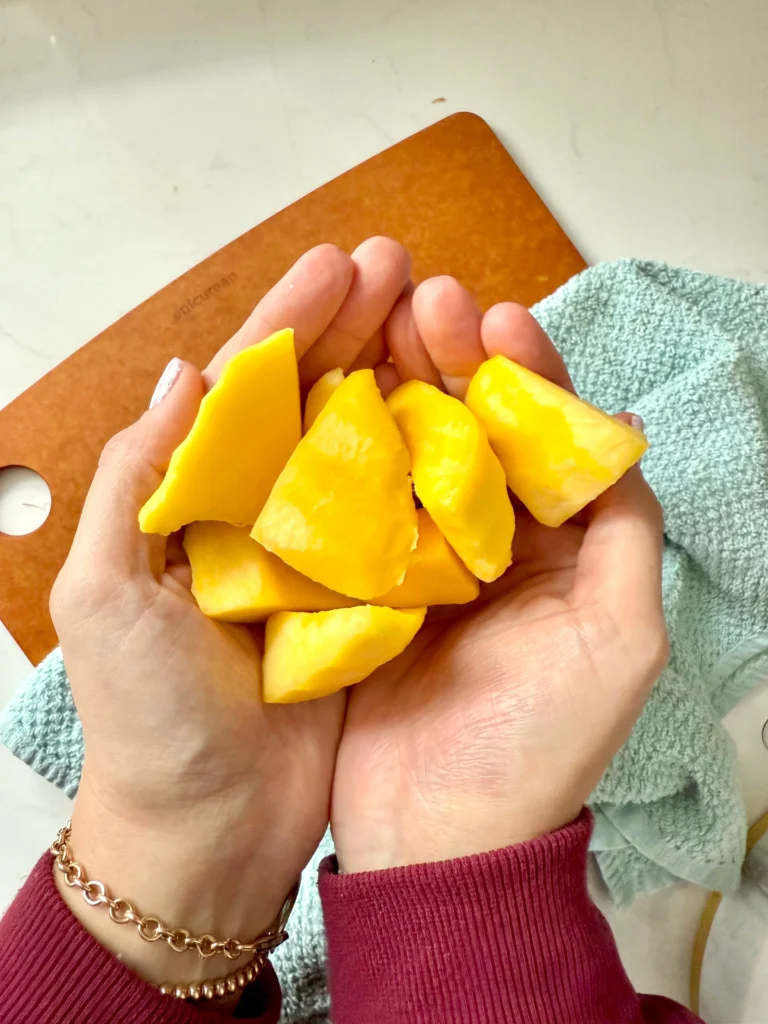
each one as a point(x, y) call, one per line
point(150, 928)
point(218, 988)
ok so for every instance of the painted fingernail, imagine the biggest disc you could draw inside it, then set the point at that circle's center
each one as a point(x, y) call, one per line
point(166, 382)
point(637, 422)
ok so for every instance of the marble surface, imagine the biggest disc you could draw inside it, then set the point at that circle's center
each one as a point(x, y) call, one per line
point(137, 138)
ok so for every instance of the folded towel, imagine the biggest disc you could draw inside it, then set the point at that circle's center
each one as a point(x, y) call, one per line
point(689, 353)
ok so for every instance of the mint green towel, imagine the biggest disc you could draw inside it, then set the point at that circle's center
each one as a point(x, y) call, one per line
point(689, 353)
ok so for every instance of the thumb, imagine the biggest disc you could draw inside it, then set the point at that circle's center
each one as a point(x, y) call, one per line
point(108, 542)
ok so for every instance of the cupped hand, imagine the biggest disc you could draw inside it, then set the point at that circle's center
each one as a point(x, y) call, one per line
point(197, 801)
point(497, 722)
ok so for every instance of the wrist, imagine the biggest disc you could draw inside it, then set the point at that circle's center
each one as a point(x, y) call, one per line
point(432, 834)
point(207, 871)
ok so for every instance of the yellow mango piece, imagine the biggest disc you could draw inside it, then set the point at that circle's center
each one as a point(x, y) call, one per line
point(247, 426)
point(313, 654)
point(342, 510)
point(435, 574)
point(319, 394)
point(558, 452)
point(456, 476)
point(235, 579)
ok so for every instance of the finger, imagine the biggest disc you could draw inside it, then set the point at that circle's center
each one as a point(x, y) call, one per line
point(174, 550)
point(510, 330)
point(631, 418)
point(619, 563)
point(536, 546)
point(375, 352)
point(381, 271)
point(448, 321)
point(182, 574)
point(108, 540)
point(387, 378)
point(406, 346)
point(307, 298)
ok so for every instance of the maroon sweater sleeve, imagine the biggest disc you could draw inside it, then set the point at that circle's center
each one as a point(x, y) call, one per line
point(52, 971)
point(509, 936)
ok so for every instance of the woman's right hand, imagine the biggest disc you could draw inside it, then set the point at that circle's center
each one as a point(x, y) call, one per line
point(197, 801)
point(497, 722)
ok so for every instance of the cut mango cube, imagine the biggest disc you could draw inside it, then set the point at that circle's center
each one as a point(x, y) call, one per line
point(319, 394)
point(558, 452)
point(235, 579)
point(313, 654)
point(246, 428)
point(457, 478)
point(435, 575)
point(342, 510)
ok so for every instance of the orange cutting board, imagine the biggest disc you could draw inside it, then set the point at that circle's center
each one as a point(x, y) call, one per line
point(450, 193)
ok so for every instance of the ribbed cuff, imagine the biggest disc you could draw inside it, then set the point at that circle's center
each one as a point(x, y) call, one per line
point(52, 971)
point(498, 937)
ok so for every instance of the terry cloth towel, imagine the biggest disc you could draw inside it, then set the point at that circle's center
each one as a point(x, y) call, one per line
point(689, 353)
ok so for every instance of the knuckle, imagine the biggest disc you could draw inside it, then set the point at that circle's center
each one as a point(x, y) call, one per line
point(76, 596)
point(655, 510)
point(663, 652)
point(328, 262)
point(331, 251)
point(124, 459)
point(63, 597)
point(66, 596)
point(383, 245)
point(649, 502)
point(657, 649)
point(117, 449)
point(57, 602)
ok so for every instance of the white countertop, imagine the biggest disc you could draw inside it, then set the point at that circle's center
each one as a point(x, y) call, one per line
point(137, 138)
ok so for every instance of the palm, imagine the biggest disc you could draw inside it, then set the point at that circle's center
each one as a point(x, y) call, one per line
point(460, 702)
point(242, 733)
point(287, 750)
point(182, 722)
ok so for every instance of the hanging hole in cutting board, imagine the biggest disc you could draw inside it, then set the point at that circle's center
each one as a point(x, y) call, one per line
point(25, 500)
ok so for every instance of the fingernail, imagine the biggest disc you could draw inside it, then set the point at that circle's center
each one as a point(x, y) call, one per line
point(166, 382)
point(637, 422)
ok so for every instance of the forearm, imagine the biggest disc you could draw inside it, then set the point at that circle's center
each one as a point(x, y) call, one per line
point(511, 935)
point(53, 971)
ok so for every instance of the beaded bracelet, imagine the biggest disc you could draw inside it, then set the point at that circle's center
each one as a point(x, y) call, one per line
point(218, 988)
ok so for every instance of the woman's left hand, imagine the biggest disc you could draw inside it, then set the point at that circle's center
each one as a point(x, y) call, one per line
point(197, 801)
point(495, 725)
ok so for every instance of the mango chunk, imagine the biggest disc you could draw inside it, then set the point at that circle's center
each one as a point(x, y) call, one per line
point(235, 579)
point(246, 428)
point(435, 574)
point(313, 654)
point(558, 452)
point(342, 510)
point(319, 394)
point(456, 476)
